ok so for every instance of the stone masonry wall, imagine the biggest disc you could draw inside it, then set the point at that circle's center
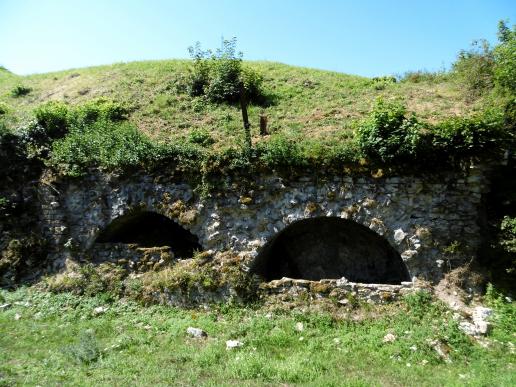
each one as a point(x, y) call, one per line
point(421, 217)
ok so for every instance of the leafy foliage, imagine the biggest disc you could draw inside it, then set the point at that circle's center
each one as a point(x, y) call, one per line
point(53, 118)
point(3, 109)
point(482, 68)
point(86, 350)
point(280, 151)
point(20, 91)
point(471, 136)
point(99, 109)
point(104, 144)
point(475, 68)
point(508, 234)
point(200, 137)
point(389, 134)
point(505, 59)
point(221, 76)
point(421, 76)
point(505, 313)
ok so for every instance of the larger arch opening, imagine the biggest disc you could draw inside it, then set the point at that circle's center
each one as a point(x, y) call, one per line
point(149, 229)
point(330, 248)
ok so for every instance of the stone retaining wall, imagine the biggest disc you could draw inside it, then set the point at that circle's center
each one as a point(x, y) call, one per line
point(432, 221)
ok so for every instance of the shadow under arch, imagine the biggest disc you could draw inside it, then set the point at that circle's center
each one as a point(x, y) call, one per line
point(150, 229)
point(330, 248)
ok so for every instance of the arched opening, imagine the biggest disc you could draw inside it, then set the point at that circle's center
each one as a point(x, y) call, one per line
point(149, 229)
point(330, 248)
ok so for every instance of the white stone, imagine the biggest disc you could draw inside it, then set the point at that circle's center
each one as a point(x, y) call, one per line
point(196, 332)
point(389, 338)
point(231, 344)
point(408, 254)
point(17, 316)
point(100, 310)
point(213, 235)
point(399, 235)
point(300, 327)
point(481, 313)
point(212, 227)
point(480, 317)
point(69, 243)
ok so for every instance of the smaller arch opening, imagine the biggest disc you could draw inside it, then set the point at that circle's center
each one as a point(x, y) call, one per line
point(330, 248)
point(150, 229)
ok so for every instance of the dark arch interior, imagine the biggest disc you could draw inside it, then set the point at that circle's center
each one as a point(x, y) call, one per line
point(149, 229)
point(329, 248)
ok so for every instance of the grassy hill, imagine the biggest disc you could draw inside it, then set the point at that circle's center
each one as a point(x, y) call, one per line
point(305, 103)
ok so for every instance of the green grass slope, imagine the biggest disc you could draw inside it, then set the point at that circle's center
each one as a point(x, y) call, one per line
point(306, 103)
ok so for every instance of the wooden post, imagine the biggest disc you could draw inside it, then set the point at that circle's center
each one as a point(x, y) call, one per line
point(263, 125)
point(245, 118)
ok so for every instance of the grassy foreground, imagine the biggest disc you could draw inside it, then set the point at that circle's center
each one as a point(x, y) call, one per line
point(59, 339)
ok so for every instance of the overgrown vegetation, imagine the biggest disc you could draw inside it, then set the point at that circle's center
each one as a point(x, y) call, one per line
point(20, 91)
point(483, 67)
point(221, 76)
point(130, 344)
point(101, 133)
point(86, 350)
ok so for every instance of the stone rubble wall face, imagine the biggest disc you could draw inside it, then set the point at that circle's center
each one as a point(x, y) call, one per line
point(419, 216)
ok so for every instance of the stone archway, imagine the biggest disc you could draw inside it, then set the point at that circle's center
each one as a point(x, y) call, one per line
point(150, 229)
point(329, 248)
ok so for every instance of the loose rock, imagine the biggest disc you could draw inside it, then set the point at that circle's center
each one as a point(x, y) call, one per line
point(196, 332)
point(231, 344)
point(100, 310)
point(389, 338)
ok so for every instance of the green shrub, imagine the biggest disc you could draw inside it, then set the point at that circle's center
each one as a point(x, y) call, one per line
point(103, 144)
point(55, 120)
point(280, 151)
point(470, 136)
point(328, 154)
point(200, 75)
point(508, 234)
point(483, 67)
point(388, 134)
point(505, 59)
point(419, 303)
point(221, 77)
point(504, 318)
point(53, 117)
point(86, 350)
point(3, 109)
point(100, 109)
point(200, 137)
point(381, 83)
point(424, 76)
point(475, 68)
point(20, 91)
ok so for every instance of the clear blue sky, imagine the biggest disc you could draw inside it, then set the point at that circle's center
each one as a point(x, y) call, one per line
point(359, 37)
